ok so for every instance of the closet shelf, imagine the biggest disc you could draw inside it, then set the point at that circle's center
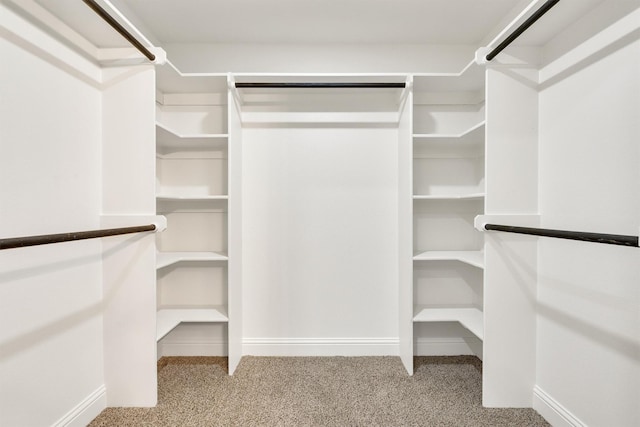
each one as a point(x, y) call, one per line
point(470, 318)
point(165, 259)
point(168, 138)
point(474, 258)
point(474, 131)
point(169, 318)
point(170, 80)
point(317, 117)
point(470, 196)
point(471, 78)
point(177, 198)
point(174, 134)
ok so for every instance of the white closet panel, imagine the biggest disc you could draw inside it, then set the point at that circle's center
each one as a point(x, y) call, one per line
point(320, 230)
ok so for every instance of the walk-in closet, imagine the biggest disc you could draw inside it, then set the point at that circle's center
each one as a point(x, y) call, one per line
point(320, 179)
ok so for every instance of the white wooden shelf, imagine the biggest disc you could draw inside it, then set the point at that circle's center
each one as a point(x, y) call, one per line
point(168, 138)
point(470, 196)
point(178, 198)
point(171, 80)
point(320, 117)
point(471, 78)
point(165, 259)
point(470, 318)
point(169, 318)
point(474, 132)
point(474, 258)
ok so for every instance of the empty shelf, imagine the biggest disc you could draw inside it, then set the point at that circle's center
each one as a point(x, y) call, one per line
point(167, 197)
point(164, 259)
point(470, 318)
point(470, 196)
point(474, 258)
point(167, 319)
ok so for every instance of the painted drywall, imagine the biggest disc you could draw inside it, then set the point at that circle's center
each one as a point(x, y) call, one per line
point(51, 356)
point(588, 327)
point(320, 240)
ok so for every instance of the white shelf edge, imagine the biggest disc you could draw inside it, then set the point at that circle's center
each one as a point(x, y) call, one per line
point(169, 318)
point(191, 136)
point(460, 73)
point(471, 196)
point(165, 259)
point(187, 197)
point(450, 135)
point(470, 318)
point(473, 258)
point(319, 117)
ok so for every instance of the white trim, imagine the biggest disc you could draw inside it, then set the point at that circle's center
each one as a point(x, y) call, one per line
point(443, 347)
point(552, 411)
point(86, 410)
point(193, 348)
point(320, 346)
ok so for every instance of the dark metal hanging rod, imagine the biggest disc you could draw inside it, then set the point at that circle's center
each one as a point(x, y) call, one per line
point(120, 29)
point(522, 28)
point(242, 85)
point(45, 239)
point(610, 239)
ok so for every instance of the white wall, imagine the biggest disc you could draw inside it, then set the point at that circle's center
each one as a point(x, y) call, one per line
point(588, 328)
point(320, 240)
point(50, 296)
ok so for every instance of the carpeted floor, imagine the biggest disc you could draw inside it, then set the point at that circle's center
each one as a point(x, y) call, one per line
point(319, 391)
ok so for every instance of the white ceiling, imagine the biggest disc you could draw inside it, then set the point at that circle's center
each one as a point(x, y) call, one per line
point(294, 21)
point(321, 21)
point(316, 21)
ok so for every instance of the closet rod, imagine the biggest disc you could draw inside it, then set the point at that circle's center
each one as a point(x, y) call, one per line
point(45, 239)
point(120, 29)
point(241, 85)
point(610, 239)
point(522, 28)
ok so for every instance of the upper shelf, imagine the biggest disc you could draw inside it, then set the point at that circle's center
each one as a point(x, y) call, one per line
point(470, 79)
point(171, 80)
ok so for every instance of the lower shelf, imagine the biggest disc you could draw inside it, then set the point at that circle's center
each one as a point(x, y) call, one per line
point(474, 258)
point(169, 318)
point(165, 259)
point(470, 318)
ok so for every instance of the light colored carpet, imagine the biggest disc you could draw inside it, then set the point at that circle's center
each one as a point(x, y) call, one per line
point(319, 391)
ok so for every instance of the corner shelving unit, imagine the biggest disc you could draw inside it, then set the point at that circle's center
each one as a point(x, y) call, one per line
point(448, 168)
point(194, 285)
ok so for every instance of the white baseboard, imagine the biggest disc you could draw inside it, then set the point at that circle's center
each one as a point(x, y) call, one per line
point(320, 346)
point(86, 410)
point(443, 347)
point(552, 411)
point(192, 348)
